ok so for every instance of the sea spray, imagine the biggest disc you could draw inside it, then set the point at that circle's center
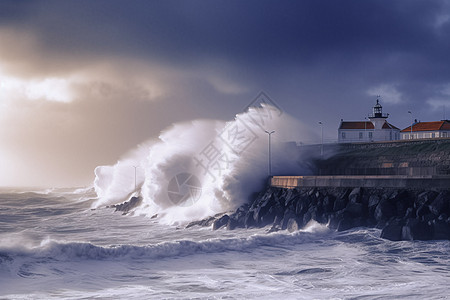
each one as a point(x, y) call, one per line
point(216, 165)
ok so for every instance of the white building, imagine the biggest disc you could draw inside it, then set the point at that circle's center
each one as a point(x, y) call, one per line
point(376, 129)
point(427, 130)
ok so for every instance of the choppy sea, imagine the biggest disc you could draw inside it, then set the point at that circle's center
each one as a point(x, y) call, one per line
point(54, 246)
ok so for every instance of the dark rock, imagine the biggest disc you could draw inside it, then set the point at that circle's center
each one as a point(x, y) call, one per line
point(359, 222)
point(410, 213)
point(348, 223)
point(392, 232)
point(364, 199)
point(402, 201)
point(328, 203)
point(428, 217)
point(355, 195)
point(355, 209)
point(274, 228)
point(441, 230)
point(232, 224)
point(318, 194)
point(440, 204)
point(384, 211)
point(317, 214)
point(292, 202)
point(442, 217)
point(239, 215)
point(270, 215)
point(277, 221)
point(415, 229)
point(400, 213)
point(425, 198)
point(335, 218)
point(249, 220)
point(287, 215)
point(345, 224)
point(340, 203)
point(306, 218)
point(370, 222)
point(373, 201)
point(302, 206)
point(204, 222)
point(289, 196)
point(128, 205)
point(222, 221)
point(263, 208)
point(422, 211)
point(380, 224)
point(343, 193)
point(292, 225)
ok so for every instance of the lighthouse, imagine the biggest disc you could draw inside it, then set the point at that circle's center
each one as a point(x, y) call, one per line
point(377, 129)
point(377, 117)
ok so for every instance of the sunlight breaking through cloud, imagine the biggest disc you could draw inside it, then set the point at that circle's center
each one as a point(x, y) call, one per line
point(50, 89)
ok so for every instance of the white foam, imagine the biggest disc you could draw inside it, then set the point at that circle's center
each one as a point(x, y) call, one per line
point(87, 251)
point(239, 170)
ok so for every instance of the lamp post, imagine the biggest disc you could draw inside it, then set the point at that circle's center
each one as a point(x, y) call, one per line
point(321, 138)
point(270, 154)
point(135, 186)
point(365, 128)
point(409, 112)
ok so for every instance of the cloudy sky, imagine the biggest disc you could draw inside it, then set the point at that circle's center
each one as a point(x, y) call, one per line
point(82, 82)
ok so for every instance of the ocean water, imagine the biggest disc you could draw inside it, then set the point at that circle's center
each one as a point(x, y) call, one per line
point(54, 245)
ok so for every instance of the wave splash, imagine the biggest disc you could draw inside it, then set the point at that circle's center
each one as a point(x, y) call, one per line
point(216, 165)
point(71, 251)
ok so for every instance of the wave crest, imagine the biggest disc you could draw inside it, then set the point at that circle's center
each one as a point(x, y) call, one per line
point(229, 159)
point(88, 251)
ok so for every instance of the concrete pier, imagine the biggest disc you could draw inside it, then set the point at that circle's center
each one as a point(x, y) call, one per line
point(393, 181)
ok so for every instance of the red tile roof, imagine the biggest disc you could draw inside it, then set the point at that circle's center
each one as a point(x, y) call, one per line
point(429, 126)
point(361, 125)
point(356, 125)
point(387, 125)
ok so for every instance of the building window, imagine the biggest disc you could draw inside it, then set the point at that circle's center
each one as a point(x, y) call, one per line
point(432, 135)
point(360, 135)
point(444, 134)
point(370, 135)
point(343, 135)
point(390, 135)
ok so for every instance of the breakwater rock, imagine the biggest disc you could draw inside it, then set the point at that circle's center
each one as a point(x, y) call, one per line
point(127, 206)
point(402, 214)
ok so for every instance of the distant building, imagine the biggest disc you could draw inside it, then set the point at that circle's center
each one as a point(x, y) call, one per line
point(376, 129)
point(427, 130)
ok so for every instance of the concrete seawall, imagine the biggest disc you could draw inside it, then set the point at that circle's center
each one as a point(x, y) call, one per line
point(414, 158)
point(420, 182)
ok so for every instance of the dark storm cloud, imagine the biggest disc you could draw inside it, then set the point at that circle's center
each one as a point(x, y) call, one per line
point(401, 36)
point(243, 31)
point(395, 41)
point(137, 66)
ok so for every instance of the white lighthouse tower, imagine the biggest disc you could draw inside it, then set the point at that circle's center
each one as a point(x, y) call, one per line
point(378, 120)
point(375, 130)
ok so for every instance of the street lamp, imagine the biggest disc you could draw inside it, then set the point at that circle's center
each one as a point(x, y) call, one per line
point(409, 112)
point(270, 158)
point(135, 186)
point(321, 133)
